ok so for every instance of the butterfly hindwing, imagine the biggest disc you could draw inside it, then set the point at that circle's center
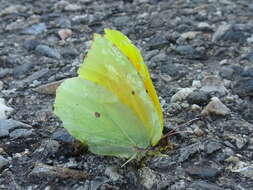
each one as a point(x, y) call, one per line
point(95, 116)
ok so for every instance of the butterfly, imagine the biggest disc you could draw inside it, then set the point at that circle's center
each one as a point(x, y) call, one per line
point(112, 105)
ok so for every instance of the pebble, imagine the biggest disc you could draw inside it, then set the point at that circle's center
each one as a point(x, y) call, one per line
point(42, 171)
point(34, 76)
point(147, 177)
point(64, 33)
point(62, 135)
point(162, 162)
point(189, 35)
point(30, 44)
point(8, 125)
point(199, 185)
point(212, 84)
point(246, 171)
point(20, 70)
point(1, 85)
point(212, 146)
point(112, 173)
point(3, 162)
point(244, 87)
point(13, 9)
point(198, 97)
point(219, 33)
point(181, 94)
point(188, 151)
point(202, 171)
point(73, 7)
point(4, 72)
point(48, 52)
point(215, 106)
point(21, 133)
point(35, 29)
point(49, 88)
point(204, 26)
point(5, 111)
point(158, 42)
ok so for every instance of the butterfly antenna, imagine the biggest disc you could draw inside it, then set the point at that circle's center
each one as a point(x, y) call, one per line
point(129, 160)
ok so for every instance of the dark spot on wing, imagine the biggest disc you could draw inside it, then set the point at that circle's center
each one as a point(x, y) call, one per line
point(97, 115)
point(147, 91)
point(133, 92)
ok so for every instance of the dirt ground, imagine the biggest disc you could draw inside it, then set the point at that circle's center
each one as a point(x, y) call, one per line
point(200, 56)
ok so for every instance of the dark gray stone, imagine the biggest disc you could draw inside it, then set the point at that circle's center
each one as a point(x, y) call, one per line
point(158, 42)
point(202, 185)
point(48, 52)
point(3, 162)
point(202, 171)
point(21, 70)
point(35, 29)
point(199, 97)
point(8, 125)
point(244, 87)
point(63, 136)
point(30, 44)
point(21, 133)
point(212, 147)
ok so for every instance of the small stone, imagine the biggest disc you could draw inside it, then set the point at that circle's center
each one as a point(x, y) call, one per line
point(21, 133)
point(189, 35)
point(199, 185)
point(198, 132)
point(112, 173)
point(198, 97)
point(212, 147)
point(216, 107)
point(5, 111)
point(244, 87)
point(49, 88)
point(195, 107)
point(48, 52)
point(3, 162)
point(13, 9)
point(220, 32)
point(35, 29)
point(162, 162)
point(147, 177)
point(63, 136)
point(248, 72)
point(73, 7)
point(188, 151)
point(158, 42)
point(7, 125)
point(64, 33)
point(181, 94)
point(202, 171)
point(21, 70)
point(246, 171)
point(1, 85)
point(69, 53)
point(203, 26)
point(196, 84)
point(4, 72)
point(30, 44)
point(42, 171)
point(212, 84)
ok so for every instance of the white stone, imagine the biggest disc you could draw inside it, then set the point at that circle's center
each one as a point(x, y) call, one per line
point(4, 110)
point(181, 94)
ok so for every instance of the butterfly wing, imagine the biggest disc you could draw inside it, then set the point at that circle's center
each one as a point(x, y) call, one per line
point(135, 57)
point(96, 116)
point(106, 65)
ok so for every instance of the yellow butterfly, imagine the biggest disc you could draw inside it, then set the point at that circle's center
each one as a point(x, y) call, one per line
point(112, 105)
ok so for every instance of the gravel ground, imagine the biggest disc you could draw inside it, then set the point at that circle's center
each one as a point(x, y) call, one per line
point(200, 56)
